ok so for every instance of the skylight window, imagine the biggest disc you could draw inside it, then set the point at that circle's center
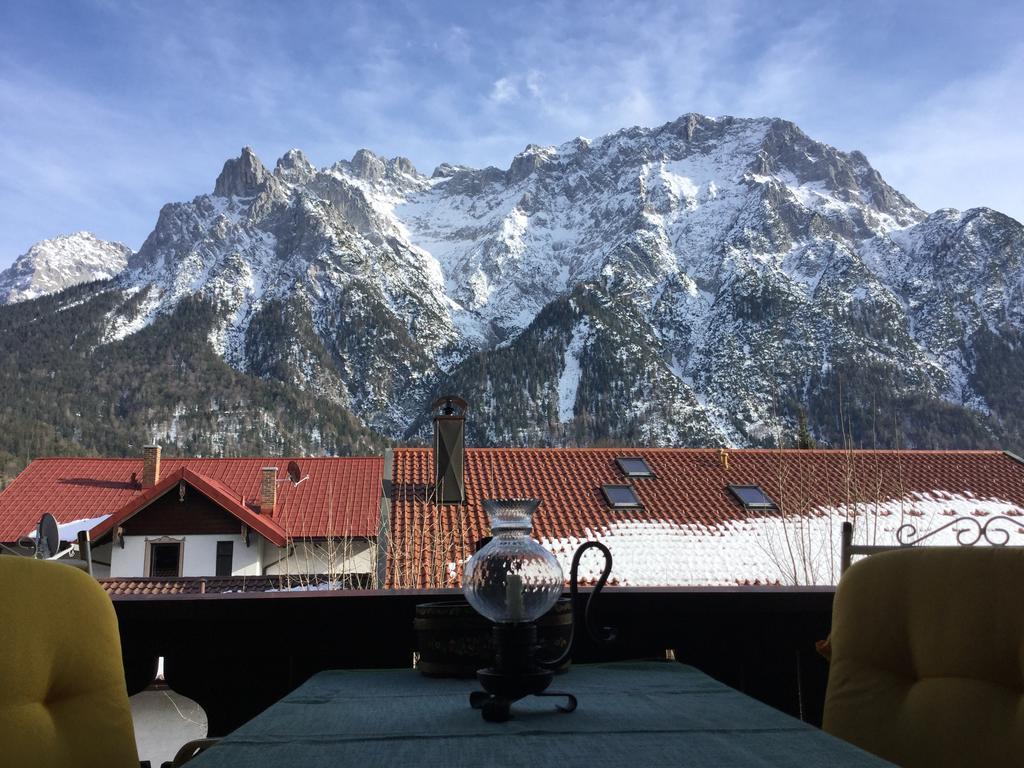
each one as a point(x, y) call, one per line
point(634, 466)
point(621, 496)
point(752, 497)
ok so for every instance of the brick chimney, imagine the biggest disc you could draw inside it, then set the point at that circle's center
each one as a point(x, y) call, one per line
point(150, 465)
point(268, 490)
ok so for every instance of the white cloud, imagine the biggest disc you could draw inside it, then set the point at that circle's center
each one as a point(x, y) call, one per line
point(534, 80)
point(504, 90)
point(516, 87)
point(597, 72)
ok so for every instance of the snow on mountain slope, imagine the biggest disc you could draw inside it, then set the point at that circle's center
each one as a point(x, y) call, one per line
point(60, 262)
point(699, 282)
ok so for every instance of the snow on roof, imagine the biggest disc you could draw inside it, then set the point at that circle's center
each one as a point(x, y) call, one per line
point(691, 531)
point(773, 550)
point(69, 531)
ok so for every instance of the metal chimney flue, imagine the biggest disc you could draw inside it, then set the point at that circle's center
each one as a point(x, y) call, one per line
point(449, 414)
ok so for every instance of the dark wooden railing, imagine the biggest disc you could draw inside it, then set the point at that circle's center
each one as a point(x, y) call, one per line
point(236, 654)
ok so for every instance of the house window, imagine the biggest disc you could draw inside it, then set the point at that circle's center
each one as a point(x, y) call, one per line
point(634, 466)
point(224, 553)
point(752, 497)
point(165, 560)
point(621, 496)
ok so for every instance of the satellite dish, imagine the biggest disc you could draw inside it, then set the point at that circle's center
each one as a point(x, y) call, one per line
point(47, 537)
point(294, 473)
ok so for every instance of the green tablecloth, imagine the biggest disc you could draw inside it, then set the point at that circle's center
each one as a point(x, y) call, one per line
point(633, 714)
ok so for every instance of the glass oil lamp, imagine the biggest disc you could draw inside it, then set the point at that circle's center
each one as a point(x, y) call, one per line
point(513, 581)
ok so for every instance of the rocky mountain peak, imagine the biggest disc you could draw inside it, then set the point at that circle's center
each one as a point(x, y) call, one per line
point(404, 165)
point(579, 144)
point(294, 166)
point(367, 166)
point(528, 161)
point(397, 173)
point(447, 170)
point(785, 149)
point(689, 124)
point(61, 262)
point(243, 176)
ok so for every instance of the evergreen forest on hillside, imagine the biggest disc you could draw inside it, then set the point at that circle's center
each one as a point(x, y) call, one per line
point(64, 393)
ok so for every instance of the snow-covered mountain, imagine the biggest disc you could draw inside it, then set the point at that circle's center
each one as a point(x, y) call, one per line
point(60, 262)
point(702, 282)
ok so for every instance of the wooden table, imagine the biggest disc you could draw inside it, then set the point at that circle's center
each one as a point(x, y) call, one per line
point(631, 715)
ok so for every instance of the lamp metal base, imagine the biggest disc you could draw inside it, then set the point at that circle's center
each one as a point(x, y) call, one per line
point(515, 674)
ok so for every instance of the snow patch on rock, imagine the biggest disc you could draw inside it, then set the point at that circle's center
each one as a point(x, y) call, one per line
point(569, 381)
point(52, 265)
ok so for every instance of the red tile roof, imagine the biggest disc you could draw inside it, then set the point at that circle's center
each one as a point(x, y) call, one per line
point(181, 586)
point(428, 543)
point(216, 491)
point(211, 585)
point(341, 496)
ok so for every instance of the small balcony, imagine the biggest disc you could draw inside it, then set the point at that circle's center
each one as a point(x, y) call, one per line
point(237, 653)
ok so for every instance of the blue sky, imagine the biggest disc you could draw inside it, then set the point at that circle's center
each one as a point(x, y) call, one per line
point(110, 109)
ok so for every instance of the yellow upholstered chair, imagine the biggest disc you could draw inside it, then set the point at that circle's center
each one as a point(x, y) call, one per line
point(63, 701)
point(927, 664)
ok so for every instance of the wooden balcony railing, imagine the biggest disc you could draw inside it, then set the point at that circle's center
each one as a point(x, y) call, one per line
point(236, 654)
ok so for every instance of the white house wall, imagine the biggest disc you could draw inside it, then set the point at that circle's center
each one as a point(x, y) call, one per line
point(102, 555)
point(338, 556)
point(199, 556)
point(128, 561)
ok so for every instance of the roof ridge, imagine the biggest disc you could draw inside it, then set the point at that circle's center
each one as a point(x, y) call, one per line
point(628, 450)
point(624, 450)
point(272, 458)
point(206, 458)
point(88, 458)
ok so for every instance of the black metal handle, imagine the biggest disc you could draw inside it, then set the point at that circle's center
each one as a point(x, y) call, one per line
point(607, 634)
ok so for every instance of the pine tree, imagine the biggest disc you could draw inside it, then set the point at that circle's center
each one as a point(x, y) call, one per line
point(804, 440)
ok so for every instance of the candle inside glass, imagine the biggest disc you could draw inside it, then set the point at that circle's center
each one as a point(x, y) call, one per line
point(514, 597)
